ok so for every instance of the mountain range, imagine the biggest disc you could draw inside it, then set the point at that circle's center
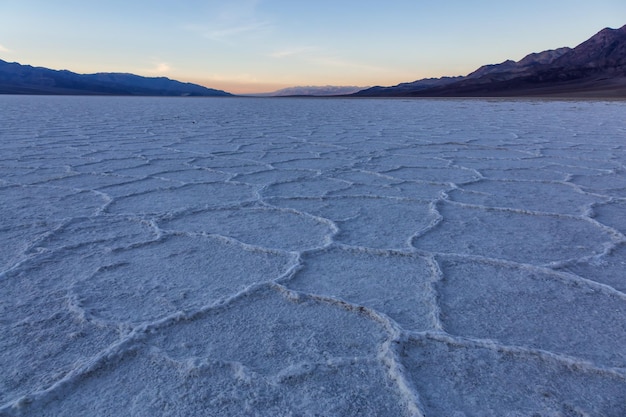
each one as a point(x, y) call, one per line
point(311, 90)
point(595, 68)
point(25, 79)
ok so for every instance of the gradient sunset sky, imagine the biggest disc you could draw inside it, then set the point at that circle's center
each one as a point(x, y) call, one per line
point(251, 46)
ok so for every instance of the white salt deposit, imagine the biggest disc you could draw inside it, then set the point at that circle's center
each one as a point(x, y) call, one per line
point(312, 257)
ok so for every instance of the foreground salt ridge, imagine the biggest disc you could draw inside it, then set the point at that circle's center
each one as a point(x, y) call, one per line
point(345, 259)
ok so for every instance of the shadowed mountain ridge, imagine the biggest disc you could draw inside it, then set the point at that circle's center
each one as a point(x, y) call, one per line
point(25, 79)
point(596, 67)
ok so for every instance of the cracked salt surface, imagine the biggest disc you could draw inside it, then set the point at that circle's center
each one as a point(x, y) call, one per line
point(312, 257)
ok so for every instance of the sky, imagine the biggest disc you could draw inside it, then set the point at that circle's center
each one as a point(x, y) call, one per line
point(253, 46)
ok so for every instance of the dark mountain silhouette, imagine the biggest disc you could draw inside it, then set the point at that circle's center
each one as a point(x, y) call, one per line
point(527, 64)
point(25, 79)
point(408, 88)
point(595, 68)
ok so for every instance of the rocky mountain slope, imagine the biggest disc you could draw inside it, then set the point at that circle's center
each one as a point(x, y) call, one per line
point(25, 79)
point(595, 68)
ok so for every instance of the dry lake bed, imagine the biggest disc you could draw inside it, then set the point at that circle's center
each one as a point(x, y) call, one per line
point(312, 257)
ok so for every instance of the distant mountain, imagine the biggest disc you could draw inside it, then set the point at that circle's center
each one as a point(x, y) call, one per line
point(595, 68)
point(510, 68)
point(408, 88)
point(327, 90)
point(25, 79)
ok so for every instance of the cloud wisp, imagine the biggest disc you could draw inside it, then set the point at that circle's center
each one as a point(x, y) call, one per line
point(319, 57)
point(291, 52)
point(158, 68)
point(226, 32)
point(235, 19)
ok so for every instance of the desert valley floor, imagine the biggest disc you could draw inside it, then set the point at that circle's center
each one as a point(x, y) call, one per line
point(312, 257)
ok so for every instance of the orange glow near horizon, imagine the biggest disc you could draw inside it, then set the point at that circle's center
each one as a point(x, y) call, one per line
point(259, 87)
point(239, 87)
point(261, 46)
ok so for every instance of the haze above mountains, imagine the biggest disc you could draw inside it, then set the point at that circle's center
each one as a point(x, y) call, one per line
point(313, 90)
point(595, 68)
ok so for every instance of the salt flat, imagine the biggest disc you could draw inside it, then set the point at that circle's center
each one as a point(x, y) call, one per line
point(312, 257)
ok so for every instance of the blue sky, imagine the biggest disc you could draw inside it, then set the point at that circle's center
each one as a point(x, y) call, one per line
point(247, 46)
